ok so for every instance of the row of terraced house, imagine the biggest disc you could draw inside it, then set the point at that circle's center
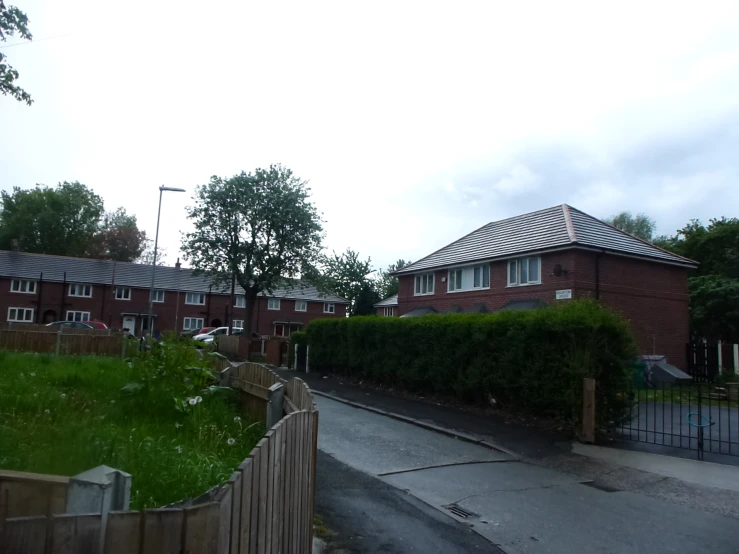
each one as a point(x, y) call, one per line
point(548, 257)
point(39, 288)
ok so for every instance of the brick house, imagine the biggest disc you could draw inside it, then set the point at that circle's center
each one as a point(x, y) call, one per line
point(40, 288)
point(551, 256)
point(388, 307)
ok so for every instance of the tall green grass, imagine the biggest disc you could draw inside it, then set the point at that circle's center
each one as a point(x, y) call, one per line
point(64, 415)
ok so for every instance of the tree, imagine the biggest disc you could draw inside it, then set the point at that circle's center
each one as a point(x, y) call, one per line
point(12, 21)
point(120, 236)
point(640, 225)
point(260, 228)
point(364, 303)
point(344, 274)
point(715, 246)
point(387, 285)
point(714, 307)
point(62, 220)
point(147, 255)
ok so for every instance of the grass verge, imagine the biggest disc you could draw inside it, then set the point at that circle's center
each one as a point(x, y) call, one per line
point(154, 417)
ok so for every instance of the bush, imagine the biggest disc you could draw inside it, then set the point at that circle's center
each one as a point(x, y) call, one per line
point(298, 337)
point(533, 360)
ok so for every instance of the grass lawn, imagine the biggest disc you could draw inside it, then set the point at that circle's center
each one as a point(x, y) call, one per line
point(157, 417)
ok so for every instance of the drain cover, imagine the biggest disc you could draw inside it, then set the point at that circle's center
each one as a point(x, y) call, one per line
point(460, 512)
point(600, 486)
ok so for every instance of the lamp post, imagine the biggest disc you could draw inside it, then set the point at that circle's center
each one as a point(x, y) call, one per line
point(154, 262)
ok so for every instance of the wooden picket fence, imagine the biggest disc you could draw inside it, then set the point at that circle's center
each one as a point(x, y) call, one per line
point(265, 507)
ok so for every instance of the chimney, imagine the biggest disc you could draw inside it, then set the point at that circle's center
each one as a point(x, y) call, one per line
point(16, 245)
point(178, 265)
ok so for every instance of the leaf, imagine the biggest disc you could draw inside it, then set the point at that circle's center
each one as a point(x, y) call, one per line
point(132, 388)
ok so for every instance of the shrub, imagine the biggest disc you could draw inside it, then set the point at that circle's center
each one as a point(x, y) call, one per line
point(298, 337)
point(532, 360)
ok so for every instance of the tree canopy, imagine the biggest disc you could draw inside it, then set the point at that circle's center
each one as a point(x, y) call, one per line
point(12, 21)
point(259, 227)
point(67, 220)
point(387, 285)
point(347, 275)
point(639, 225)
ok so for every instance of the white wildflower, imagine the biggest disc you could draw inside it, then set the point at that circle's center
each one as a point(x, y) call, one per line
point(177, 425)
point(63, 395)
point(192, 401)
point(179, 450)
point(237, 419)
point(198, 399)
point(33, 374)
point(47, 412)
point(231, 442)
point(112, 401)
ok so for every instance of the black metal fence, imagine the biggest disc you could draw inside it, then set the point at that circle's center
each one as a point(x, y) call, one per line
point(696, 416)
point(703, 363)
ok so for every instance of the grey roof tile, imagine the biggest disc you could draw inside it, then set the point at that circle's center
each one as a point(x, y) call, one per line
point(389, 301)
point(556, 227)
point(103, 272)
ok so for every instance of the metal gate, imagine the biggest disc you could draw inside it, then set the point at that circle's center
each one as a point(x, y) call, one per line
point(703, 363)
point(696, 416)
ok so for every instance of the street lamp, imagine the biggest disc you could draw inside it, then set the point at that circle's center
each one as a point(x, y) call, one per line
point(154, 262)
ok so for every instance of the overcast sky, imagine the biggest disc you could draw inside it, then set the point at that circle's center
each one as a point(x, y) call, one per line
point(415, 122)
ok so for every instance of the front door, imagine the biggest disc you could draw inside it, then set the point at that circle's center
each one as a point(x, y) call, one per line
point(129, 324)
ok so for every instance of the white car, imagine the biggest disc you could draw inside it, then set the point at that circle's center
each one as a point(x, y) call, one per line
point(208, 337)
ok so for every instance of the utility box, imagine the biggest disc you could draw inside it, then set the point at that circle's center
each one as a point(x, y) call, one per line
point(98, 491)
point(657, 370)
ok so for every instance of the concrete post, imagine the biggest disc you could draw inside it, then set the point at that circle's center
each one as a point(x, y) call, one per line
point(307, 359)
point(58, 341)
point(720, 356)
point(275, 404)
point(736, 358)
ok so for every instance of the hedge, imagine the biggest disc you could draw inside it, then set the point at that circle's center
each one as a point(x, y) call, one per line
point(534, 360)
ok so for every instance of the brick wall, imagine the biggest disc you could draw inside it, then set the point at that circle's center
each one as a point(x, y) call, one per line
point(169, 315)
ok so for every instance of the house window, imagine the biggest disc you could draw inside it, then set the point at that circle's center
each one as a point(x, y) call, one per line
point(301, 306)
point(329, 308)
point(80, 290)
point(195, 298)
point(192, 323)
point(389, 312)
point(240, 301)
point(273, 304)
point(157, 296)
point(23, 285)
point(122, 293)
point(78, 316)
point(469, 278)
point(524, 271)
point(425, 284)
point(238, 323)
point(24, 315)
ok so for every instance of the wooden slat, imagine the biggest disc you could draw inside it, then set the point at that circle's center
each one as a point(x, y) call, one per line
point(297, 526)
point(270, 492)
point(225, 502)
point(314, 463)
point(63, 533)
point(24, 535)
point(264, 477)
point(287, 497)
point(236, 481)
point(247, 491)
point(258, 452)
point(250, 388)
point(277, 489)
point(123, 533)
point(162, 531)
point(87, 534)
point(201, 528)
point(24, 498)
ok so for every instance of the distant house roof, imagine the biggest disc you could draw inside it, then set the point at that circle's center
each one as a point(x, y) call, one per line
point(389, 301)
point(417, 312)
point(558, 227)
point(25, 265)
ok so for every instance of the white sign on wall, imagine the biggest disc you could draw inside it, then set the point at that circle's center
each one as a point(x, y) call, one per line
point(564, 294)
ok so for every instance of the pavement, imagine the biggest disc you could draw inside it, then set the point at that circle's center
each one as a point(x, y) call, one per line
point(522, 489)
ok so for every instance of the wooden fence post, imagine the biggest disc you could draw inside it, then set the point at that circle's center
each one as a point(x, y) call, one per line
point(588, 411)
point(58, 341)
point(275, 406)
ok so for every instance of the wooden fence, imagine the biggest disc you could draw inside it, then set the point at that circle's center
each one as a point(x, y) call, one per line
point(64, 342)
point(265, 507)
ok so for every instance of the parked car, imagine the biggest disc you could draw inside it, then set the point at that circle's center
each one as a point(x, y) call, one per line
point(73, 324)
point(210, 335)
point(198, 331)
point(96, 324)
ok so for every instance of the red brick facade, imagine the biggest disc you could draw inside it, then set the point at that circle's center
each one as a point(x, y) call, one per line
point(52, 301)
point(652, 296)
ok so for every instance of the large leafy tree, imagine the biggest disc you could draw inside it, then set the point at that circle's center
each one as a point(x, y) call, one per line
point(120, 236)
point(387, 284)
point(12, 21)
point(639, 225)
point(714, 307)
point(345, 274)
point(63, 220)
point(260, 228)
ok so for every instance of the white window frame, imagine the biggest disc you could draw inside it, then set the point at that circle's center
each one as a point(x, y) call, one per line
point(189, 295)
point(462, 279)
point(515, 266)
point(24, 311)
point(273, 303)
point(187, 323)
point(301, 305)
point(423, 282)
point(28, 284)
point(239, 301)
point(74, 288)
point(238, 323)
point(155, 294)
point(126, 293)
point(329, 307)
point(389, 311)
point(83, 316)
